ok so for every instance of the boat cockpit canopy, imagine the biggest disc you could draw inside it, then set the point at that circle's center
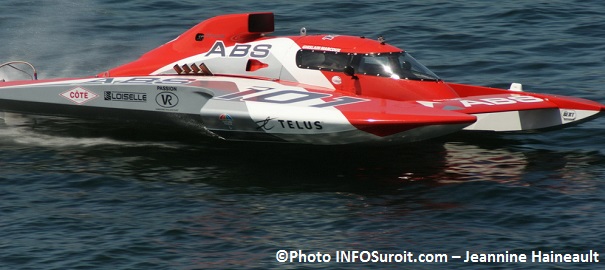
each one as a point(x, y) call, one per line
point(396, 65)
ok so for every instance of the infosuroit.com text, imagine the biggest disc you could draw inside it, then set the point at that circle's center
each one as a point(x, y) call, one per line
point(374, 256)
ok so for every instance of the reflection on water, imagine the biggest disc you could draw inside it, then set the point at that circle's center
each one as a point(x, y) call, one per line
point(465, 162)
point(160, 155)
point(197, 201)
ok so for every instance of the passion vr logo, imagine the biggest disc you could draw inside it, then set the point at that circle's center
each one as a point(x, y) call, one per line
point(125, 96)
point(167, 99)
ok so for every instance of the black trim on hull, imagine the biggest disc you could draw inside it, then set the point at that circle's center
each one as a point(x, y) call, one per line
point(247, 136)
point(99, 113)
point(178, 122)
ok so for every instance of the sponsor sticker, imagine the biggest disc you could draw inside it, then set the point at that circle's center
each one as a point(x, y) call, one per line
point(226, 119)
point(167, 88)
point(79, 95)
point(125, 96)
point(336, 80)
point(568, 115)
point(167, 99)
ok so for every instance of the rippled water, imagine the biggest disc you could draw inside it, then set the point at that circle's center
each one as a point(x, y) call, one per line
point(78, 195)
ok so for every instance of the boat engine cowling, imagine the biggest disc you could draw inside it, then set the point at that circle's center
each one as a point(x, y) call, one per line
point(231, 29)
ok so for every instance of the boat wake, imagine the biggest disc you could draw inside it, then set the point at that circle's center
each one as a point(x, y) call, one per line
point(25, 130)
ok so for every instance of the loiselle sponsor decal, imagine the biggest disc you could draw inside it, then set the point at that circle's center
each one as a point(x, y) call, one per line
point(125, 96)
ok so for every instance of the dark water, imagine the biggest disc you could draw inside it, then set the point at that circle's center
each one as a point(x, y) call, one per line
point(73, 197)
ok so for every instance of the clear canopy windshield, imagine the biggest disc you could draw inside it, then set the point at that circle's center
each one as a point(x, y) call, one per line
point(400, 65)
point(394, 65)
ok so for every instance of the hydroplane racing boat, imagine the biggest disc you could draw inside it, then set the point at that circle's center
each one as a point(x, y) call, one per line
point(229, 77)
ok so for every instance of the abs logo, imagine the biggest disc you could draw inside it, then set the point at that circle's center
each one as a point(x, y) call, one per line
point(240, 50)
point(167, 99)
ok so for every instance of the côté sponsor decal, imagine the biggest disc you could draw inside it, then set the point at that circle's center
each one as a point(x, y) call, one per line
point(79, 95)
